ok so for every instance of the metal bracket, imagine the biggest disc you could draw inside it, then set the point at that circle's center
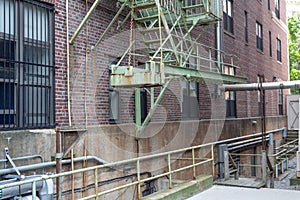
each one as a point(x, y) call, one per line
point(8, 158)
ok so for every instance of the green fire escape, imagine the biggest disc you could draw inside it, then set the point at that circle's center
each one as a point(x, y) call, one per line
point(166, 27)
point(171, 52)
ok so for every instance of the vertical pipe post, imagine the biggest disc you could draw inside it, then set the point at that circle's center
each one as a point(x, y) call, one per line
point(226, 164)
point(33, 190)
point(170, 171)
point(58, 158)
point(138, 120)
point(213, 160)
point(264, 166)
point(96, 183)
point(194, 167)
point(139, 180)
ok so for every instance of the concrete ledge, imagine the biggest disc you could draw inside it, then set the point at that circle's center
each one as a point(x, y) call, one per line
point(184, 190)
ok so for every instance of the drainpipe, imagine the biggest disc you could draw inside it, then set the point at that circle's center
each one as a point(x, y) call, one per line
point(68, 64)
point(219, 41)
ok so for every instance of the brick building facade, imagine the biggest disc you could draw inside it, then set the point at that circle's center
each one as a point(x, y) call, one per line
point(254, 31)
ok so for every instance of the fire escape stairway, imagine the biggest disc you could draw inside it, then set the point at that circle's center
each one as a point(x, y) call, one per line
point(166, 26)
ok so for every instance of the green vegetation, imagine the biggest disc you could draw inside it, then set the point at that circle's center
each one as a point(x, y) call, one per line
point(294, 49)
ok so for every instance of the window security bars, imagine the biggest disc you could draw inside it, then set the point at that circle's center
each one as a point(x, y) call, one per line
point(26, 65)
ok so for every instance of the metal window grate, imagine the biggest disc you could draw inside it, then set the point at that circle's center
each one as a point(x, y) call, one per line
point(26, 65)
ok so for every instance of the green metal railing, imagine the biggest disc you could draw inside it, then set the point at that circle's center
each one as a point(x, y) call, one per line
point(190, 155)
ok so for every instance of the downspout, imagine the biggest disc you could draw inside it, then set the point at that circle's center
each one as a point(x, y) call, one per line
point(219, 41)
point(68, 63)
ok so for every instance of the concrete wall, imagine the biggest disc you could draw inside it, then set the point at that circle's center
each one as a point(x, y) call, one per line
point(117, 142)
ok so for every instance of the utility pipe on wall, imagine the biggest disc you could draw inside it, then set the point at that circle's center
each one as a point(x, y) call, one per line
point(265, 86)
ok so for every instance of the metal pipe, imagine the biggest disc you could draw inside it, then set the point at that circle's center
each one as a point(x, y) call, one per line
point(265, 86)
point(51, 164)
point(58, 158)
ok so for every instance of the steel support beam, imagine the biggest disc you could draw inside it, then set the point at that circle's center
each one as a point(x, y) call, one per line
point(110, 25)
point(153, 108)
point(87, 16)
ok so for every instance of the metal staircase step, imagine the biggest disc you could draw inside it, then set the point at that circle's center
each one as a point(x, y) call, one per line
point(155, 29)
point(141, 6)
point(148, 42)
point(193, 6)
point(148, 18)
point(170, 61)
point(163, 51)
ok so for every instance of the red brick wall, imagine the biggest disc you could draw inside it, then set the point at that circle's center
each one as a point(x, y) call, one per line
point(117, 41)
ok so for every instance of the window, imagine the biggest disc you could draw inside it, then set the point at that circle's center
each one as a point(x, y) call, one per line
point(230, 96)
point(228, 15)
point(269, 7)
point(259, 36)
point(280, 102)
point(26, 65)
point(144, 110)
point(270, 43)
point(277, 8)
point(278, 48)
point(190, 96)
point(246, 26)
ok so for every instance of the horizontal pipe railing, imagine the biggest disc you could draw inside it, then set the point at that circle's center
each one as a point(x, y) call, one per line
point(138, 160)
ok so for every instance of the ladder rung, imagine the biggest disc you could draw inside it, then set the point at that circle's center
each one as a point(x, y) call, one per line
point(144, 5)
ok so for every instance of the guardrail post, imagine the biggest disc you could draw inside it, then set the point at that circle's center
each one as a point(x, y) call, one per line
point(33, 190)
point(213, 160)
point(194, 167)
point(226, 165)
point(96, 183)
point(221, 149)
point(139, 179)
point(264, 166)
point(170, 171)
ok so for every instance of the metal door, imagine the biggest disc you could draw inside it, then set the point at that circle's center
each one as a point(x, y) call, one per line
point(293, 112)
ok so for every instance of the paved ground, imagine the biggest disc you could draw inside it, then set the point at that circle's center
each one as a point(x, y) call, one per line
point(285, 182)
point(238, 193)
point(282, 191)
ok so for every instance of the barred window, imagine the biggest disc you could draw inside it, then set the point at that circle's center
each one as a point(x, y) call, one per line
point(26, 65)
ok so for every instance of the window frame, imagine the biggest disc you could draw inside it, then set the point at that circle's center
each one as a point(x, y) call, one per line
point(230, 96)
point(259, 36)
point(246, 26)
point(277, 8)
point(270, 44)
point(279, 49)
point(228, 22)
